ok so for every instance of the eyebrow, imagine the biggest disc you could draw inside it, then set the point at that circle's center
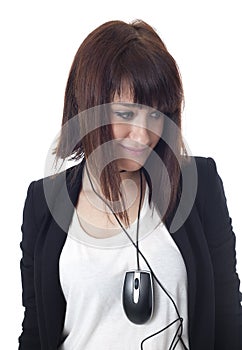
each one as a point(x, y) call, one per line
point(128, 104)
point(133, 104)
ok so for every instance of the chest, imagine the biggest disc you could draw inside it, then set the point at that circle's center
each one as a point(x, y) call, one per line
point(97, 220)
point(83, 267)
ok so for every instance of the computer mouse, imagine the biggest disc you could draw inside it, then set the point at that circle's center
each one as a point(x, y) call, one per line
point(138, 296)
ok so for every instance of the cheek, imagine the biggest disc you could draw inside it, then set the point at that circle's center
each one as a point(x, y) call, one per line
point(156, 131)
point(119, 131)
point(154, 139)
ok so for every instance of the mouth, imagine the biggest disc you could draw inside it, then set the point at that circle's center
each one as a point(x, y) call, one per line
point(135, 151)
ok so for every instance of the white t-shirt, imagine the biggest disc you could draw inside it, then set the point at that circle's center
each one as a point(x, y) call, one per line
point(92, 273)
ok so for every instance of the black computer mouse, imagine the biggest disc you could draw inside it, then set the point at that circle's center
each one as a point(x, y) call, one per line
point(138, 296)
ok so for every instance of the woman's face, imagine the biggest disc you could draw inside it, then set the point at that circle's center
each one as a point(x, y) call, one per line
point(136, 130)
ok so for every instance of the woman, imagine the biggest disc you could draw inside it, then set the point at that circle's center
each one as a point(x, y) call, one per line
point(133, 247)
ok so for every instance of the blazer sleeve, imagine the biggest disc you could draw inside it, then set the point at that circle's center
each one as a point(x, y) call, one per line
point(221, 241)
point(29, 338)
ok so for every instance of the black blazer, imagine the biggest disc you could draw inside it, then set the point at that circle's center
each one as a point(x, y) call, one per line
point(206, 242)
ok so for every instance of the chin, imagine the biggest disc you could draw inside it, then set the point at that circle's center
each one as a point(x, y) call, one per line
point(129, 165)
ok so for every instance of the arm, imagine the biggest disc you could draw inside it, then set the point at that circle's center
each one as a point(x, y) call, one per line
point(29, 339)
point(221, 242)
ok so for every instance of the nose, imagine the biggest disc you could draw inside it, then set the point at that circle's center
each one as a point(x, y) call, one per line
point(139, 133)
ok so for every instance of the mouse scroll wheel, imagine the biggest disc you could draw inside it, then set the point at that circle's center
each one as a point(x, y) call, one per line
point(136, 283)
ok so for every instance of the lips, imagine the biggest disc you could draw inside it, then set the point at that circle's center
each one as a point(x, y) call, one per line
point(136, 151)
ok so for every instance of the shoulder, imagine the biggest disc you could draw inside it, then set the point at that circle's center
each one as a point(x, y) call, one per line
point(57, 180)
point(202, 168)
point(43, 192)
point(208, 176)
point(210, 194)
point(203, 164)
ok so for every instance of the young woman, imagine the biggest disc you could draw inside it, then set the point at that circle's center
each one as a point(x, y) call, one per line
point(132, 248)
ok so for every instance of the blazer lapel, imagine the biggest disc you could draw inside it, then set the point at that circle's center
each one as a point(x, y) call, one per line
point(192, 244)
point(181, 239)
point(51, 300)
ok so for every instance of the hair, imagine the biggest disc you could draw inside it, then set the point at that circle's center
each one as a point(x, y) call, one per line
point(113, 54)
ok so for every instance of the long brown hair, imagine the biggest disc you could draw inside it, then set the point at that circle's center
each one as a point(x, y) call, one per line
point(113, 53)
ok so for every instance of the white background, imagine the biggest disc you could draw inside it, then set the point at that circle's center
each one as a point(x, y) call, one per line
point(38, 43)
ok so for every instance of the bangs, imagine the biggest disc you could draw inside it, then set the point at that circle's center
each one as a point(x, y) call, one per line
point(153, 78)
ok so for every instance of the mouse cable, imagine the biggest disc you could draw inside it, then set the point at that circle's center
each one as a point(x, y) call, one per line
point(138, 216)
point(138, 220)
point(147, 263)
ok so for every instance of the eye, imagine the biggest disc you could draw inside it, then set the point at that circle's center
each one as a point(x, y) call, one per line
point(126, 115)
point(156, 114)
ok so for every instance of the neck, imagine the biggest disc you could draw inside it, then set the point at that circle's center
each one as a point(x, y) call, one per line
point(130, 188)
point(124, 175)
point(130, 175)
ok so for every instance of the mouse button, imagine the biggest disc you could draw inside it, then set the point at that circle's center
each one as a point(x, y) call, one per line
point(145, 279)
point(128, 277)
point(128, 285)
